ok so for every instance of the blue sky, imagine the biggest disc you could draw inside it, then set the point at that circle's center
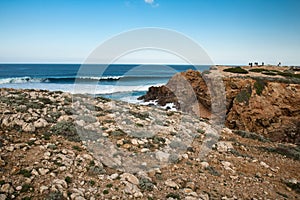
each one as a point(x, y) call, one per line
point(230, 31)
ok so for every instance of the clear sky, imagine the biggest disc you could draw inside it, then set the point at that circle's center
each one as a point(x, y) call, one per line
point(230, 31)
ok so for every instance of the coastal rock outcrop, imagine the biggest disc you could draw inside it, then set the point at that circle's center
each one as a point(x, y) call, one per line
point(262, 103)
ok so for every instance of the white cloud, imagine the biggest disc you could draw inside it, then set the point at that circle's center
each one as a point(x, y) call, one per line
point(149, 1)
point(152, 3)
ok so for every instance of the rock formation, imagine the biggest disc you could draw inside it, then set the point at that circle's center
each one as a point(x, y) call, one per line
point(255, 102)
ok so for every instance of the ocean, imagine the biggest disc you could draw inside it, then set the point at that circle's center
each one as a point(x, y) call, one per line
point(118, 81)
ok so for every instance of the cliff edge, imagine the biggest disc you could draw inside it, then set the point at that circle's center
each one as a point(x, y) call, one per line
point(265, 100)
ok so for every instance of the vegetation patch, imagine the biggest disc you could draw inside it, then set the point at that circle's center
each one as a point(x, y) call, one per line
point(236, 70)
point(118, 132)
point(105, 191)
point(142, 116)
point(250, 135)
point(259, 86)
point(26, 188)
point(66, 129)
point(45, 100)
point(288, 151)
point(244, 96)
point(34, 105)
point(55, 196)
point(25, 173)
point(258, 70)
point(77, 148)
point(173, 195)
point(68, 179)
point(213, 171)
point(200, 131)
point(146, 184)
point(289, 75)
point(294, 186)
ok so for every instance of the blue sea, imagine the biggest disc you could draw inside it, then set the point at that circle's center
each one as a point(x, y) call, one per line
point(118, 81)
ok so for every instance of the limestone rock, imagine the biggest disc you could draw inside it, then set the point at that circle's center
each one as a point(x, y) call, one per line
point(171, 184)
point(7, 188)
point(130, 178)
point(40, 123)
point(224, 146)
point(28, 127)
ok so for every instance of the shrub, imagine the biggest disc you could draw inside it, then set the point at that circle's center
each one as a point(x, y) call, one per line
point(55, 196)
point(200, 131)
point(237, 70)
point(45, 100)
point(288, 151)
point(269, 73)
point(26, 187)
point(258, 70)
point(289, 75)
point(259, 86)
point(173, 195)
point(105, 191)
point(66, 129)
point(76, 148)
point(146, 184)
point(25, 173)
point(243, 96)
point(92, 183)
point(142, 116)
point(68, 179)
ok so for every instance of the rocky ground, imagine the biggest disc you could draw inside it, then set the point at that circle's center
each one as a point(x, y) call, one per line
point(57, 146)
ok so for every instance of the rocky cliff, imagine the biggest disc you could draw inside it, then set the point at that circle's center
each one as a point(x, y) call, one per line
point(262, 100)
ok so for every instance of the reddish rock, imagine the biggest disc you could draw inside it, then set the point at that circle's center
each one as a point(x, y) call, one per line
point(266, 105)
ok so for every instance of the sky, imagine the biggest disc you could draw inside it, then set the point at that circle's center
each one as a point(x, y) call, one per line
point(230, 31)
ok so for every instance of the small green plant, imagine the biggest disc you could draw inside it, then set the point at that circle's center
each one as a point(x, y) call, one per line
point(54, 196)
point(105, 191)
point(25, 173)
point(26, 198)
point(200, 131)
point(68, 179)
point(47, 136)
point(139, 125)
point(109, 185)
point(146, 184)
point(77, 148)
point(142, 116)
point(237, 70)
point(30, 142)
point(45, 100)
point(243, 96)
point(26, 187)
point(213, 171)
point(92, 183)
point(68, 111)
point(269, 73)
point(92, 163)
point(66, 129)
point(173, 195)
point(108, 121)
point(259, 86)
point(289, 75)
point(258, 70)
point(118, 132)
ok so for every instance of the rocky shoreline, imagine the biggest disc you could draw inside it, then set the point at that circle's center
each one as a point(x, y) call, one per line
point(57, 146)
point(262, 99)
